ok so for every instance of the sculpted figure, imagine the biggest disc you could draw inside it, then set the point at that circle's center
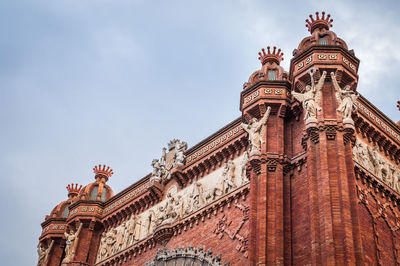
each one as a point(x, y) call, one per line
point(396, 179)
point(103, 247)
point(346, 98)
point(311, 96)
point(243, 164)
point(361, 155)
point(390, 176)
point(156, 174)
point(178, 207)
point(151, 222)
point(228, 182)
point(167, 212)
point(375, 161)
point(255, 131)
point(71, 242)
point(180, 148)
point(198, 196)
point(132, 228)
point(165, 174)
point(120, 237)
point(195, 199)
point(111, 238)
point(43, 253)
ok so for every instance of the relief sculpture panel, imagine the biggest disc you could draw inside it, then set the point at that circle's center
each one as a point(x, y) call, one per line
point(369, 158)
point(175, 206)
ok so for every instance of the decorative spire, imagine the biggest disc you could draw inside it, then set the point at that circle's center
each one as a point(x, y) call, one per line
point(73, 190)
point(102, 171)
point(275, 56)
point(323, 22)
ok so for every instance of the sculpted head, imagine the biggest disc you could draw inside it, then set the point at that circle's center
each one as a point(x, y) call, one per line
point(347, 88)
point(308, 88)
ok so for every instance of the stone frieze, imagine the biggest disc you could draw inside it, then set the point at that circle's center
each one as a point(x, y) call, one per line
point(177, 205)
point(370, 159)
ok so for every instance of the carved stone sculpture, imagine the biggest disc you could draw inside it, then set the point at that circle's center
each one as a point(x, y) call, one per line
point(132, 227)
point(198, 195)
point(168, 212)
point(346, 98)
point(375, 160)
point(175, 157)
point(255, 130)
point(372, 161)
point(151, 222)
point(102, 253)
point(111, 238)
point(228, 182)
point(156, 174)
point(180, 148)
point(121, 232)
point(70, 245)
point(396, 179)
point(176, 205)
point(310, 98)
point(43, 253)
point(243, 172)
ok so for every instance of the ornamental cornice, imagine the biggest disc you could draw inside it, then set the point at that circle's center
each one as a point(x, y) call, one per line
point(53, 227)
point(375, 136)
point(85, 211)
point(206, 163)
point(145, 195)
point(371, 116)
point(214, 143)
point(272, 160)
point(271, 83)
point(270, 88)
point(323, 54)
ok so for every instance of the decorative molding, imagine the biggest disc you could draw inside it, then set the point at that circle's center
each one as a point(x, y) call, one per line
point(377, 121)
point(127, 197)
point(323, 58)
point(205, 149)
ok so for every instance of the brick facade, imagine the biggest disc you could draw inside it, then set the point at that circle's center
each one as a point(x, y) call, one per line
point(302, 199)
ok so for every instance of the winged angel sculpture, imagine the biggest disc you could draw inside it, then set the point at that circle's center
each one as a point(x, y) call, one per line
point(310, 98)
point(346, 98)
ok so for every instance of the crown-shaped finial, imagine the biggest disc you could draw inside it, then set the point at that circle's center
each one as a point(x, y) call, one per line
point(73, 190)
point(398, 105)
point(275, 56)
point(103, 171)
point(323, 22)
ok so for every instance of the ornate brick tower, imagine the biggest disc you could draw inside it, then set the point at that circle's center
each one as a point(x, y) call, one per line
point(71, 233)
point(266, 95)
point(326, 189)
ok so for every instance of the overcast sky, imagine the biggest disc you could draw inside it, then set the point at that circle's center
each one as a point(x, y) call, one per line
point(111, 81)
